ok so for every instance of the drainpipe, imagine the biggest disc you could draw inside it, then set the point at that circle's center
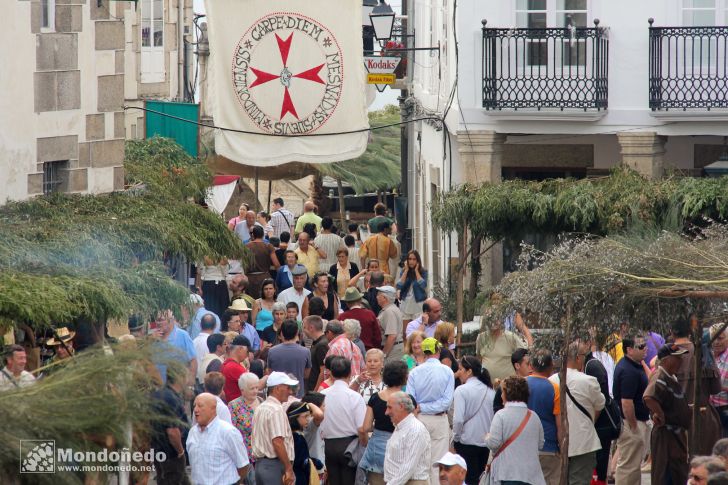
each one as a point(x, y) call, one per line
point(180, 49)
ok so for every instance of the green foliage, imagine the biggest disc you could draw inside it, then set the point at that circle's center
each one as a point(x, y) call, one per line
point(378, 168)
point(619, 203)
point(164, 168)
point(96, 397)
point(70, 256)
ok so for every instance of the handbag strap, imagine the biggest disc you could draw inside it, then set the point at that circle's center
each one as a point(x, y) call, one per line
point(475, 413)
point(576, 403)
point(515, 434)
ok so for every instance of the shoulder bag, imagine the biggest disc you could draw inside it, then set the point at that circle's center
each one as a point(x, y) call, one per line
point(609, 423)
point(485, 478)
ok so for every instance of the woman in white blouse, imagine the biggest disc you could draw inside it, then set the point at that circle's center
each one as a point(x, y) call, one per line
point(473, 413)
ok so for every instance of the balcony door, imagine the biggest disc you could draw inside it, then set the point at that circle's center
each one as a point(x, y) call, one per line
point(548, 48)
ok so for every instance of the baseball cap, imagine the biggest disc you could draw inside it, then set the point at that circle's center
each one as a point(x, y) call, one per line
point(196, 299)
point(387, 289)
point(450, 459)
point(430, 345)
point(279, 378)
point(668, 350)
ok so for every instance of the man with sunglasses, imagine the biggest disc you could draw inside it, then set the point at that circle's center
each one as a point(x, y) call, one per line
point(630, 382)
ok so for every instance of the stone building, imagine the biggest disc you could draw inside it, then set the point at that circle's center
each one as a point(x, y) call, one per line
point(68, 69)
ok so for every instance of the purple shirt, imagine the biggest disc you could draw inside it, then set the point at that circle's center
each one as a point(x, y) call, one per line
point(654, 341)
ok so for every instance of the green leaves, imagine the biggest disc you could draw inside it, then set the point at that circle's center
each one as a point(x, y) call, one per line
point(619, 203)
point(71, 256)
point(378, 168)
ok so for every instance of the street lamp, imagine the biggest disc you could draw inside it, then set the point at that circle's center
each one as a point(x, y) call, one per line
point(382, 18)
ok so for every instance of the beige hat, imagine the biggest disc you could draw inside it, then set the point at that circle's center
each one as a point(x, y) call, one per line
point(61, 335)
point(239, 305)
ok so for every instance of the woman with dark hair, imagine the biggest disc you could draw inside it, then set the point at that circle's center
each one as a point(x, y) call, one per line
point(321, 289)
point(304, 465)
point(310, 229)
point(412, 286)
point(472, 416)
point(343, 271)
point(262, 316)
point(515, 438)
point(394, 377)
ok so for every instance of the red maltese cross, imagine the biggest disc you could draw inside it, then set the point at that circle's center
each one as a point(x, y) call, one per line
point(285, 76)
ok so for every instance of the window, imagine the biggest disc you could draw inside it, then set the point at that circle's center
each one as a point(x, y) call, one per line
point(152, 41)
point(53, 176)
point(699, 13)
point(532, 14)
point(541, 14)
point(704, 13)
point(47, 15)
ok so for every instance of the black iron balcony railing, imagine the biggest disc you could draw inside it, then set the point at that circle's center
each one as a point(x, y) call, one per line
point(553, 68)
point(688, 67)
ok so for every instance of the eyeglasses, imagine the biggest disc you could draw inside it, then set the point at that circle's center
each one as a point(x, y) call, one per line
point(641, 346)
point(697, 478)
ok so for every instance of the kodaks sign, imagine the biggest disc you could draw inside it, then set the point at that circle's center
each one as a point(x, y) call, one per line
point(381, 65)
point(292, 74)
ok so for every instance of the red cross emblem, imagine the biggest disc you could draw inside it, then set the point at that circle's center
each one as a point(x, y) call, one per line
point(285, 76)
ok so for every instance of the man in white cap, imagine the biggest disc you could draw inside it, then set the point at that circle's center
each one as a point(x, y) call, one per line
point(390, 318)
point(272, 441)
point(452, 469)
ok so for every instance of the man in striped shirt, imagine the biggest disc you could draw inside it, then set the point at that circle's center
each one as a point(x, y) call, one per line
point(407, 459)
point(272, 442)
point(281, 219)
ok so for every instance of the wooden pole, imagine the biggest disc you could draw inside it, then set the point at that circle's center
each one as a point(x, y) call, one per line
point(257, 194)
point(459, 292)
point(342, 216)
point(564, 439)
point(270, 194)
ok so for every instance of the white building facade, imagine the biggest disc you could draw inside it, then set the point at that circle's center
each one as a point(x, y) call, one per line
point(554, 88)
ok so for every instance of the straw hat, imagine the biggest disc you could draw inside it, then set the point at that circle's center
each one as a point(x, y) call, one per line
point(239, 305)
point(63, 335)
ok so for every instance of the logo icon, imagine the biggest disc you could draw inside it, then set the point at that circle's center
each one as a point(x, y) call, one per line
point(288, 73)
point(37, 456)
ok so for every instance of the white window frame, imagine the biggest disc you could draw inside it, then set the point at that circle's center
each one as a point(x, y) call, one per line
point(152, 57)
point(553, 19)
point(48, 11)
point(720, 16)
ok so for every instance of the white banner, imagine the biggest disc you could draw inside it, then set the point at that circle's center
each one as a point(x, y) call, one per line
point(285, 67)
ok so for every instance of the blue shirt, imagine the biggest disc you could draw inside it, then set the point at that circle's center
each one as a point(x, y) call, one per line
point(630, 382)
point(432, 385)
point(284, 278)
point(177, 346)
point(251, 334)
point(543, 400)
point(196, 327)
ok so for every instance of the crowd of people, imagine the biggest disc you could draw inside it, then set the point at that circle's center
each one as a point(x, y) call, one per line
point(302, 368)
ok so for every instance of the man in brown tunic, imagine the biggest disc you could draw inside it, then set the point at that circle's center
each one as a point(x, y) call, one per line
point(665, 398)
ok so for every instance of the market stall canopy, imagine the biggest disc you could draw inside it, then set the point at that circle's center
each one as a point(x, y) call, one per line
point(286, 171)
point(222, 189)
